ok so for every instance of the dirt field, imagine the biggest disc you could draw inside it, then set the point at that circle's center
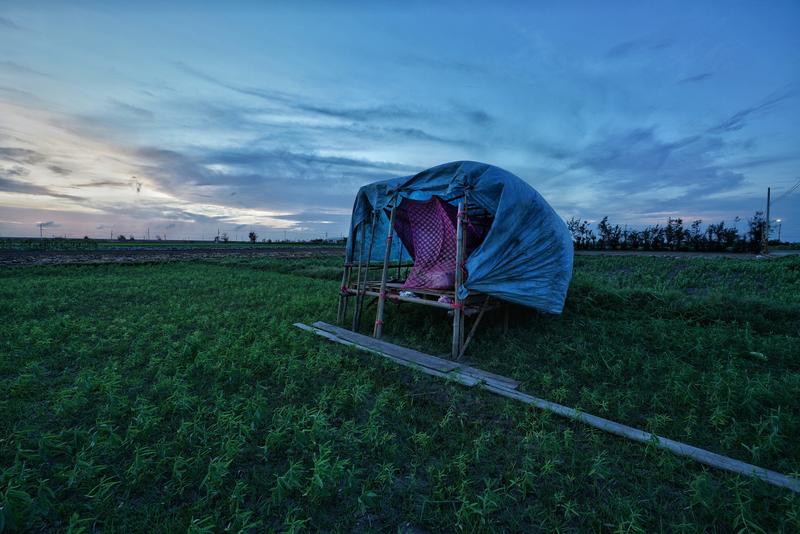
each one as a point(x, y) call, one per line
point(159, 255)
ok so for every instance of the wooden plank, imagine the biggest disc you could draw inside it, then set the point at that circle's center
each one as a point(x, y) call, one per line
point(489, 378)
point(681, 449)
point(417, 357)
point(455, 377)
point(420, 358)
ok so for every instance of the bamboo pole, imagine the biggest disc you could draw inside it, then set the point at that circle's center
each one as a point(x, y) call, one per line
point(346, 275)
point(464, 234)
point(347, 284)
point(426, 302)
point(378, 332)
point(474, 328)
point(766, 238)
point(458, 306)
point(342, 296)
point(363, 284)
point(399, 256)
point(360, 261)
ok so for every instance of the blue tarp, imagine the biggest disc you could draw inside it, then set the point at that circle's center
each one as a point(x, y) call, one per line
point(526, 257)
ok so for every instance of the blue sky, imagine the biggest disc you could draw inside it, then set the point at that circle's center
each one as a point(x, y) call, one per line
point(185, 118)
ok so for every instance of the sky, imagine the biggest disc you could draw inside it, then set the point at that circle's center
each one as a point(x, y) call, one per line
point(188, 119)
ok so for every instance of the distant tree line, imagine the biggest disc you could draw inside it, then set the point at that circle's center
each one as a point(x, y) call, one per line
point(672, 236)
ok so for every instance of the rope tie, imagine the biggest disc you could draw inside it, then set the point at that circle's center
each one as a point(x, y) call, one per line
point(388, 238)
point(382, 295)
point(344, 290)
point(378, 322)
point(457, 305)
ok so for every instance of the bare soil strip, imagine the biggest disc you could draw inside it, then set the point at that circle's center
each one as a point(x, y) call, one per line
point(50, 257)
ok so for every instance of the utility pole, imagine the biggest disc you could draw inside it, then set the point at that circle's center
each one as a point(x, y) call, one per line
point(766, 239)
point(148, 233)
point(41, 232)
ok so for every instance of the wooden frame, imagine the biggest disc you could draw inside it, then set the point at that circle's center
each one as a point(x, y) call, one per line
point(385, 289)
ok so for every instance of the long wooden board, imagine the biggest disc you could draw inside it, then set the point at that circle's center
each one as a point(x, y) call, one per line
point(419, 358)
point(457, 377)
point(495, 384)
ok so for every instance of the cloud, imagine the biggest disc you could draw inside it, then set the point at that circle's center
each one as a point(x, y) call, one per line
point(697, 78)
point(102, 183)
point(9, 185)
point(371, 113)
point(739, 119)
point(635, 162)
point(63, 171)
point(17, 68)
point(267, 94)
point(437, 64)
point(132, 110)
point(21, 155)
point(16, 170)
point(636, 46)
point(9, 24)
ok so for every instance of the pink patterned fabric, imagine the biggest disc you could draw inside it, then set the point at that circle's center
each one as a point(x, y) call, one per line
point(428, 231)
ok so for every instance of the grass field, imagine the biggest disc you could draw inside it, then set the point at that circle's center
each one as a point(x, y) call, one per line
point(173, 397)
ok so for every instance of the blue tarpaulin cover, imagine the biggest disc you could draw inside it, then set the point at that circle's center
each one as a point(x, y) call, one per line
point(526, 256)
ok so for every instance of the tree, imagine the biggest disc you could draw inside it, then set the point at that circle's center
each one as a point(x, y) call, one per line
point(696, 235)
point(674, 234)
point(121, 237)
point(253, 237)
point(609, 235)
point(224, 237)
point(757, 231)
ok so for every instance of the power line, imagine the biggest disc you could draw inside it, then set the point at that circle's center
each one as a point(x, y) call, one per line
point(787, 193)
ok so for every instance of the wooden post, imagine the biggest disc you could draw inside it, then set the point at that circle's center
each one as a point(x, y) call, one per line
point(342, 310)
point(358, 273)
point(399, 256)
point(458, 305)
point(378, 332)
point(464, 234)
point(766, 237)
point(362, 286)
point(346, 275)
point(474, 328)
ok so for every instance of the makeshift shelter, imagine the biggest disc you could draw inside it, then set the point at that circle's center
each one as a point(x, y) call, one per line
point(511, 246)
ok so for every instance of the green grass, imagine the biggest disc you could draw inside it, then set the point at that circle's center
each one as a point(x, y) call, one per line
point(179, 397)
